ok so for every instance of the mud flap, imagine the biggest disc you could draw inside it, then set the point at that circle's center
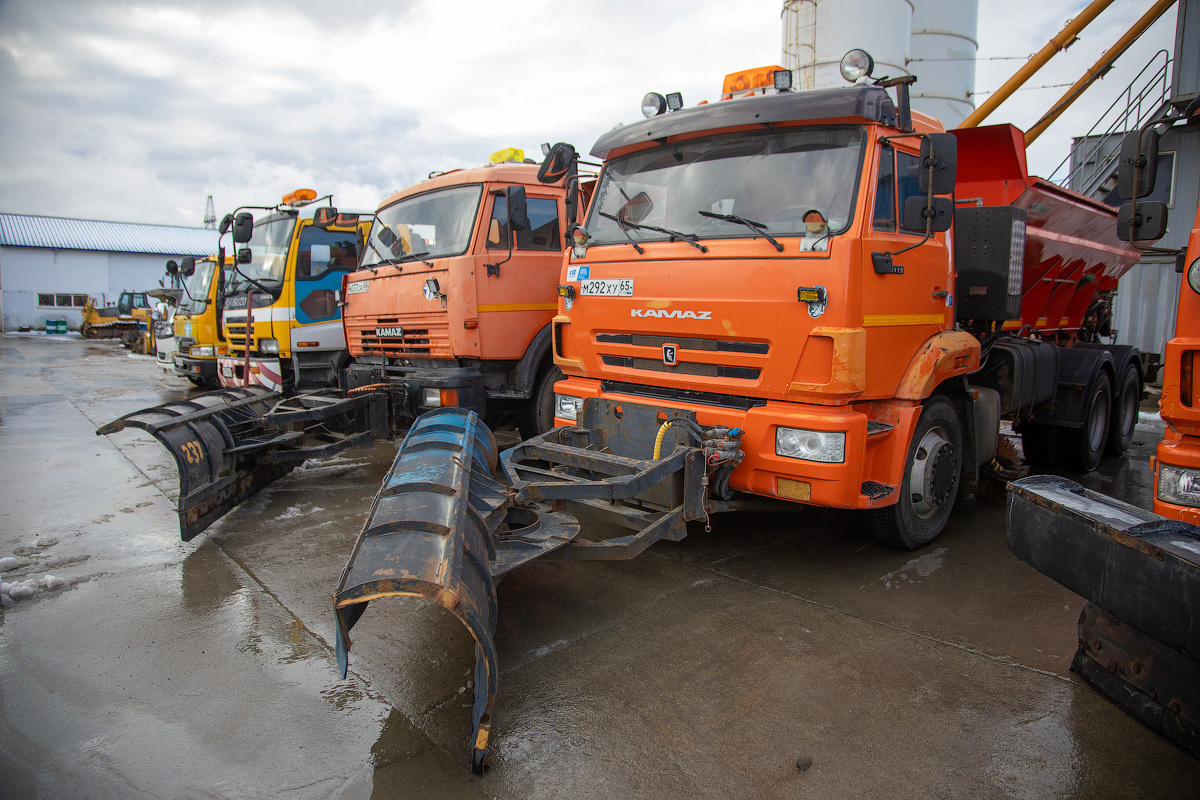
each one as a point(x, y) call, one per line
point(433, 532)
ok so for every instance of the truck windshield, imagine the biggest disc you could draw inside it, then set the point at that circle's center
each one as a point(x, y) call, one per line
point(268, 253)
point(197, 286)
point(771, 177)
point(431, 225)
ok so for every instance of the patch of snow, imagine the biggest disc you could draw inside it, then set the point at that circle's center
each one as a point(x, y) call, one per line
point(9, 563)
point(49, 582)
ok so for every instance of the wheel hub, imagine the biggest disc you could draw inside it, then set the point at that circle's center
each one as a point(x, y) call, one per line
point(933, 472)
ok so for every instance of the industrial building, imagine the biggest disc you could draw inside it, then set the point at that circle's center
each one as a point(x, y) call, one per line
point(50, 265)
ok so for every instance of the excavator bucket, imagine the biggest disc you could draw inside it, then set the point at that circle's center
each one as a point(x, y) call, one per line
point(441, 528)
point(231, 443)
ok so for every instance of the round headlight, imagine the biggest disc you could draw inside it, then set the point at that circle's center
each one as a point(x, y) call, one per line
point(1193, 275)
point(857, 64)
point(653, 104)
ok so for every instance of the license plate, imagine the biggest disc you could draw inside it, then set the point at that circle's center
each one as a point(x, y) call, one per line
point(358, 287)
point(607, 287)
point(227, 371)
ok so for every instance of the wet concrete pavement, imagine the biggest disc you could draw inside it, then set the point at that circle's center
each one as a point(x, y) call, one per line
point(704, 668)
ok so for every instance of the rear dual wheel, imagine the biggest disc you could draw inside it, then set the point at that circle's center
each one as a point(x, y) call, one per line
point(930, 481)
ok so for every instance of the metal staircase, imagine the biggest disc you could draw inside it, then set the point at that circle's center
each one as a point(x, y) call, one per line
point(1091, 167)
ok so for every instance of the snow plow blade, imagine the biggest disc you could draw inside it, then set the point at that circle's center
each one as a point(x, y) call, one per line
point(1139, 633)
point(441, 529)
point(231, 443)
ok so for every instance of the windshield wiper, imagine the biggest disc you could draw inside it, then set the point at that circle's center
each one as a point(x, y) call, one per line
point(621, 224)
point(690, 238)
point(757, 227)
point(417, 256)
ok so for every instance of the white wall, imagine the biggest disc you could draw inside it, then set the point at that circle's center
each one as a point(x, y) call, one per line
point(26, 272)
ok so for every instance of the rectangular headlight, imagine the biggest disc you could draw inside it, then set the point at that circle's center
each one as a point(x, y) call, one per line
point(567, 407)
point(1179, 485)
point(431, 398)
point(822, 446)
point(268, 345)
point(202, 351)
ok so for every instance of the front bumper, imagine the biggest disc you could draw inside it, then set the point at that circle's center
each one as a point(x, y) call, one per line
point(466, 384)
point(867, 478)
point(266, 372)
point(187, 367)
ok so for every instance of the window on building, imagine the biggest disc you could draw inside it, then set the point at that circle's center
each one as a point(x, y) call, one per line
point(48, 300)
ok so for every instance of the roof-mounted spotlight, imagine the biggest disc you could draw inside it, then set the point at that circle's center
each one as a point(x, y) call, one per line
point(674, 101)
point(857, 64)
point(783, 80)
point(653, 104)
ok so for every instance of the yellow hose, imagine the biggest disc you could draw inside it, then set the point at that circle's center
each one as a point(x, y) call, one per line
point(658, 440)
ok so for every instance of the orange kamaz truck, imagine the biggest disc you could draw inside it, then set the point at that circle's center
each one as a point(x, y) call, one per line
point(452, 299)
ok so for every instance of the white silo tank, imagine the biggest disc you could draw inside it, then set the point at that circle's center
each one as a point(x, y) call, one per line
point(944, 45)
point(817, 33)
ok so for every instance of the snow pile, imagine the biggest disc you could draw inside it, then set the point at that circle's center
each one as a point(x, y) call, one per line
point(18, 590)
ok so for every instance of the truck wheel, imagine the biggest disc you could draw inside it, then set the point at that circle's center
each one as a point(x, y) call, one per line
point(537, 413)
point(1125, 412)
point(197, 381)
point(1081, 450)
point(930, 481)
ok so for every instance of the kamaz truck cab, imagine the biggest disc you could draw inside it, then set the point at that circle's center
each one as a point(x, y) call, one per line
point(451, 304)
point(287, 281)
point(197, 323)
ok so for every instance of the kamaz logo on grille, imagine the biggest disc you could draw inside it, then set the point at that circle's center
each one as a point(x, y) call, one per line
point(395, 332)
point(673, 313)
point(669, 353)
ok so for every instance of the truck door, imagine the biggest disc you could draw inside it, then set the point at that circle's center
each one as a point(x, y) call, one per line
point(516, 296)
point(323, 256)
point(900, 311)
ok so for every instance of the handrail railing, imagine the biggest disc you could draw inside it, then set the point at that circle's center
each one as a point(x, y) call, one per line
point(1139, 104)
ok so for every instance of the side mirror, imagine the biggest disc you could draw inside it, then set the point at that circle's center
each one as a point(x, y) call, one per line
point(939, 151)
point(518, 208)
point(243, 227)
point(360, 244)
point(172, 268)
point(558, 165)
point(638, 207)
point(1147, 225)
point(226, 224)
point(324, 216)
point(1145, 163)
point(572, 201)
point(188, 267)
point(243, 255)
point(919, 210)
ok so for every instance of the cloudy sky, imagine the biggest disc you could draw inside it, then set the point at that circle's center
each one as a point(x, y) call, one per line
point(138, 110)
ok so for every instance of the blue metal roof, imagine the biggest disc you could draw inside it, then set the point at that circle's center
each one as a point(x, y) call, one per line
point(61, 233)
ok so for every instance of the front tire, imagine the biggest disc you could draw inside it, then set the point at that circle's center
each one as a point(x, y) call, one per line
point(930, 483)
point(537, 413)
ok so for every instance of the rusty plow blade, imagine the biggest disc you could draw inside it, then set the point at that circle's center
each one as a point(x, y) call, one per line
point(231, 443)
point(441, 528)
point(1139, 633)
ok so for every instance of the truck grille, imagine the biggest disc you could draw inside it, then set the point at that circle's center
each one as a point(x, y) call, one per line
point(684, 343)
point(423, 335)
point(684, 367)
